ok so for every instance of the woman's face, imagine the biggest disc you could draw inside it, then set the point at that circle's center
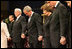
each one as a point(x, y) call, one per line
point(46, 13)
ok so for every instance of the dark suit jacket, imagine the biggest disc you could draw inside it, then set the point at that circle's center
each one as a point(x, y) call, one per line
point(69, 27)
point(10, 28)
point(19, 27)
point(70, 30)
point(58, 25)
point(35, 27)
point(46, 29)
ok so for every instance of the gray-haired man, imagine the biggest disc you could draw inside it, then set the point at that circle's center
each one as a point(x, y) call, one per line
point(34, 27)
point(19, 28)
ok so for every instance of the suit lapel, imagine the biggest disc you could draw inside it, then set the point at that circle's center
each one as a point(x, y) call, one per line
point(58, 5)
point(18, 19)
point(31, 21)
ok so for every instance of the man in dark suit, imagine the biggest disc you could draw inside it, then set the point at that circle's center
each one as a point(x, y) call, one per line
point(11, 19)
point(34, 27)
point(19, 27)
point(58, 24)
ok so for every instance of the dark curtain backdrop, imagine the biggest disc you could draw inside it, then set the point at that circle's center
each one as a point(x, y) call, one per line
point(7, 7)
point(20, 4)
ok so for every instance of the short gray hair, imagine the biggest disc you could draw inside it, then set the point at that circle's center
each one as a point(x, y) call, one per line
point(27, 8)
point(18, 9)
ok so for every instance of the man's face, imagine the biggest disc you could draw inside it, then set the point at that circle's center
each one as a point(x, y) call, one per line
point(17, 13)
point(11, 18)
point(26, 13)
point(69, 3)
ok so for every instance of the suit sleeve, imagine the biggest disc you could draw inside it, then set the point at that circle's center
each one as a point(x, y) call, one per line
point(23, 24)
point(63, 20)
point(39, 24)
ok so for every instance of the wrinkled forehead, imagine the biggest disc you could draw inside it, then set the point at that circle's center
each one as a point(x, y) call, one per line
point(17, 11)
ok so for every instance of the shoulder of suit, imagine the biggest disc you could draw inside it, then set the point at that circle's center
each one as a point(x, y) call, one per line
point(36, 14)
point(22, 17)
point(62, 5)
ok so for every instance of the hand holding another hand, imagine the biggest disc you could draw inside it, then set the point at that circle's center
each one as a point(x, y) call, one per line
point(22, 36)
point(63, 40)
point(40, 38)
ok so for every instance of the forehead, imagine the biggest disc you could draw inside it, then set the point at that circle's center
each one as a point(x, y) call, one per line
point(11, 16)
point(25, 11)
point(17, 11)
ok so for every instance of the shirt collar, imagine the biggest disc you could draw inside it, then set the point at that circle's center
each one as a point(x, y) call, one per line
point(32, 13)
point(18, 17)
point(57, 3)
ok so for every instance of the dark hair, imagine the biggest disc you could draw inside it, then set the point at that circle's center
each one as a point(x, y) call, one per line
point(12, 16)
point(2, 17)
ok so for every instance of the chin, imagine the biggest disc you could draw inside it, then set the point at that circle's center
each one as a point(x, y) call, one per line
point(15, 16)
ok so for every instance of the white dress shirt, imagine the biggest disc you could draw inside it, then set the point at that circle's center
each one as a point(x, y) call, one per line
point(57, 3)
point(18, 17)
